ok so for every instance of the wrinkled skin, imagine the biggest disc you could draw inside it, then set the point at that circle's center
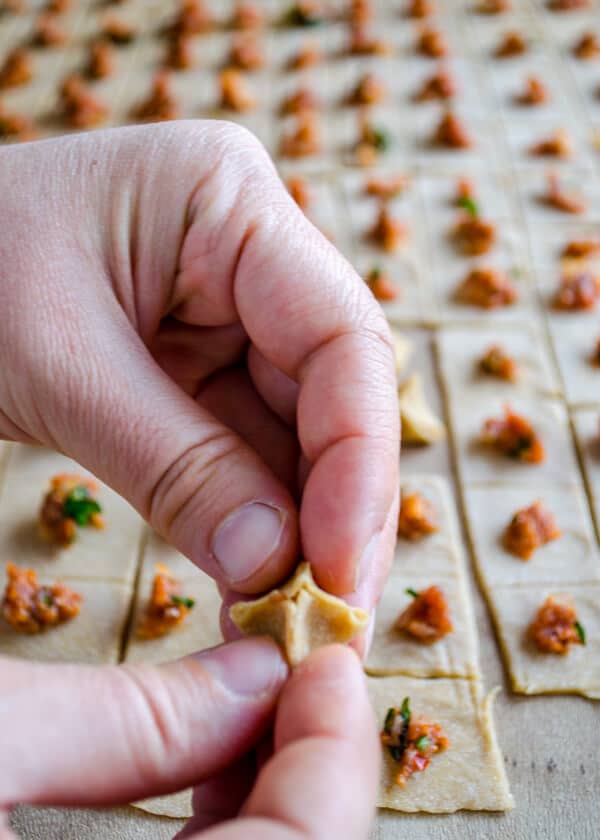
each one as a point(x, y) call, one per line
point(172, 321)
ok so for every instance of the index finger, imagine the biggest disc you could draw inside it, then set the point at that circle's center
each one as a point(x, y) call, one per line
point(309, 314)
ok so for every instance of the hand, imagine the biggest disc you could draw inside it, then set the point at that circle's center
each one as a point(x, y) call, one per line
point(118, 734)
point(173, 322)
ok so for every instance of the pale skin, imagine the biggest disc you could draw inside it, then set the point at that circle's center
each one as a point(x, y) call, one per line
point(173, 322)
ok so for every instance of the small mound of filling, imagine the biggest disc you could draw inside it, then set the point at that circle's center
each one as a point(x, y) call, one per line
point(118, 31)
point(486, 288)
point(372, 141)
point(496, 362)
point(80, 107)
point(451, 133)
point(511, 44)
point(308, 55)
point(166, 608)
point(386, 188)
point(247, 53)
point(427, 617)
point(306, 13)
point(513, 436)
point(304, 139)
point(577, 291)
point(595, 355)
point(180, 52)
point(419, 8)
point(381, 284)
point(558, 145)
point(303, 99)
point(587, 47)
point(567, 5)
point(493, 7)
point(70, 502)
point(473, 236)
point(160, 104)
point(363, 43)
point(558, 199)
point(411, 741)
point(17, 69)
point(247, 16)
point(555, 627)
point(193, 18)
point(387, 231)
point(535, 93)
point(417, 517)
point(579, 249)
point(236, 94)
point(49, 31)
point(17, 126)
point(440, 85)
point(101, 60)
point(369, 91)
point(529, 529)
point(32, 608)
point(431, 43)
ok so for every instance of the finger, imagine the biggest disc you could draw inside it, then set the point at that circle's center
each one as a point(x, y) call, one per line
point(277, 390)
point(161, 728)
point(221, 797)
point(231, 397)
point(322, 780)
point(191, 354)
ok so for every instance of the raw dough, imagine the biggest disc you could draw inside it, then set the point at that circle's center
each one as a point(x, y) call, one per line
point(587, 431)
point(532, 671)
point(571, 558)
point(470, 773)
point(110, 554)
point(176, 805)
point(300, 616)
point(419, 424)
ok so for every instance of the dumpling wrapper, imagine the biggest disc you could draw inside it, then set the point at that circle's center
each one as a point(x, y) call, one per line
point(403, 350)
point(300, 616)
point(419, 423)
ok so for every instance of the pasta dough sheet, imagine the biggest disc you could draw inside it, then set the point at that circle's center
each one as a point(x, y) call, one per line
point(110, 554)
point(200, 629)
point(587, 432)
point(176, 805)
point(460, 349)
point(394, 652)
point(470, 773)
point(480, 463)
point(94, 636)
point(532, 671)
point(572, 558)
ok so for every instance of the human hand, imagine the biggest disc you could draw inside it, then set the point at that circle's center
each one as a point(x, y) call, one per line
point(122, 733)
point(172, 321)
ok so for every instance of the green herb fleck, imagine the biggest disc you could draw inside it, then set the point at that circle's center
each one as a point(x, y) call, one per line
point(47, 599)
point(389, 721)
point(379, 138)
point(405, 710)
point(422, 743)
point(523, 445)
point(412, 592)
point(297, 16)
point(580, 632)
point(183, 602)
point(80, 506)
point(468, 204)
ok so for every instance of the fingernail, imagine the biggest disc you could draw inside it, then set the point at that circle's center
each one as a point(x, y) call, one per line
point(367, 560)
point(246, 539)
point(249, 667)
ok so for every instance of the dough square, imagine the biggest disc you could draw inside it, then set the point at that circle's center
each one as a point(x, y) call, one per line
point(532, 671)
point(110, 554)
point(572, 558)
point(574, 336)
point(438, 189)
point(395, 652)
point(93, 637)
point(199, 630)
point(575, 179)
point(482, 464)
point(587, 432)
point(461, 347)
point(470, 773)
point(436, 555)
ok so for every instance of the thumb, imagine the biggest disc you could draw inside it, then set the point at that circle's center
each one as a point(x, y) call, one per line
point(116, 734)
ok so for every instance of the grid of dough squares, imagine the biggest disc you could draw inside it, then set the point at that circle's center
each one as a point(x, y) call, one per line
point(558, 389)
